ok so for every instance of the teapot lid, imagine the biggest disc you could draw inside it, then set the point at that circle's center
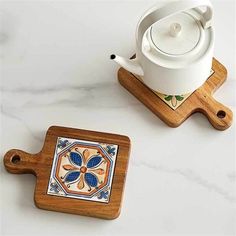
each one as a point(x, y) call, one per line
point(175, 35)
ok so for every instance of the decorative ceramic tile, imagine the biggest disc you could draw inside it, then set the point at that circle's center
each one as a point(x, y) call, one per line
point(173, 101)
point(82, 169)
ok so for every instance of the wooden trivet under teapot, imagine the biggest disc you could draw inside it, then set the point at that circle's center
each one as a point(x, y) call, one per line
point(78, 171)
point(200, 100)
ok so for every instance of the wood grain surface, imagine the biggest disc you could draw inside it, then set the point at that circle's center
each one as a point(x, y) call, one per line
point(201, 100)
point(40, 164)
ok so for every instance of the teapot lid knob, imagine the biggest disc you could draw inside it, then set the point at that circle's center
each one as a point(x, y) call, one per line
point(175, 29)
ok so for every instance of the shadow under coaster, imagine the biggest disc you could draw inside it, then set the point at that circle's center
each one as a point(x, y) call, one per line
point(201, 100)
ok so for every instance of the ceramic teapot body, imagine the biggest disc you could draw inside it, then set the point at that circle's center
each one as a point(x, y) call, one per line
point(174, 47)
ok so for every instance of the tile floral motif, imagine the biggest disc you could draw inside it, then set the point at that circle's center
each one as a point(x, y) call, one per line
point(82, 169)
point(173, 101)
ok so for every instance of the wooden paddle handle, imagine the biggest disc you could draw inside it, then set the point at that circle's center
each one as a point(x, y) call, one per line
point(219, 115)
point(20, 162)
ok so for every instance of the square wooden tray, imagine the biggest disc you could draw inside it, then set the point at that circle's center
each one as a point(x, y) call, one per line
point(78, 171)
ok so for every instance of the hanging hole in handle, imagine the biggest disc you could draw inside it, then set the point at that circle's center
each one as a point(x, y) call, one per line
point(15, 159)
point(221, 114)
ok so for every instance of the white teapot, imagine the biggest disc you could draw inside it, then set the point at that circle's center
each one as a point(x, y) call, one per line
point(174, 47)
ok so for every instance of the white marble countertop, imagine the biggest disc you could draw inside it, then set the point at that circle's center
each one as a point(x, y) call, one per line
point(55, 70)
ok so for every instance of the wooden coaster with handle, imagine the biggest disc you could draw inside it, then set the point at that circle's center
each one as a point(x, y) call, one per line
point(78, 171)
point(201, 100)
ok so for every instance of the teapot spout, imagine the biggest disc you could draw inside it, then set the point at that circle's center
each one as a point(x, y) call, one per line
point(132, 65)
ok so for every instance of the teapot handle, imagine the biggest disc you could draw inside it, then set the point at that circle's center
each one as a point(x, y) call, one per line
point(171, 9)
